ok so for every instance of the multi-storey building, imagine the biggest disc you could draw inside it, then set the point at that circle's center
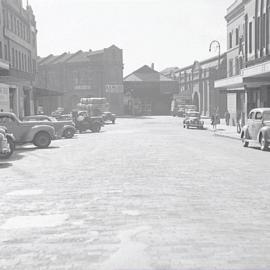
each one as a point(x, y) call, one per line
point(18, 53)
point(196, 83)
point(81, 74)
point(247, 83)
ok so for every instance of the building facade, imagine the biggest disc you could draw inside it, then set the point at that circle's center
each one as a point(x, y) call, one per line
point(148, 92)
point(247, 84)
point(68, 77)
point(18, 55)
point(196, 85)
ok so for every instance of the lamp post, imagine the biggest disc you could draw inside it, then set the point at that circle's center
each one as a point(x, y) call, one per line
point(218, 46)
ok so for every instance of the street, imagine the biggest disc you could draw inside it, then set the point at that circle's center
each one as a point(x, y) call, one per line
point(142, 194)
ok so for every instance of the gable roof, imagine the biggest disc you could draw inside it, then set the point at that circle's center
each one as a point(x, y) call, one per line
point(146, 74)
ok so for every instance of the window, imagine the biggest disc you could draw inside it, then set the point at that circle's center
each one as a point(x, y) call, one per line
point(237, 36)
point(6, 52)
point(16, 59)
point(230, 40)
point(1, 50)
point(237, 67)
point(20, 61)
point(251, 115)
point(13, 58)
point(258, 116)
point(230, 67)
point(250, 37)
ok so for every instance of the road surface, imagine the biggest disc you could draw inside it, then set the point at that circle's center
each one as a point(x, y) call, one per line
point(143, 194)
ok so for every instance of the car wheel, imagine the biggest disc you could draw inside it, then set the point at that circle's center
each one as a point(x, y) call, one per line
point(69, 133)
point(244, 142)
point(42, 140)
point(11, 147)
point(187, 126)
point(96, 128)
point(113, 121)
point(264, 144)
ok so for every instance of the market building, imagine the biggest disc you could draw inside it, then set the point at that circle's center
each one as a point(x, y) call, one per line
point(248, 34)
point(18, 54)
point(70, 76)
point(196, 84)
point(148, 92)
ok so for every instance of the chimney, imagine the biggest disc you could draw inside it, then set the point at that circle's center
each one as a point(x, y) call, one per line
point(153, 66)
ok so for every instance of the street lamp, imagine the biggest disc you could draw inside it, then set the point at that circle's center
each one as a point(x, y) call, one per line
point(218, 46)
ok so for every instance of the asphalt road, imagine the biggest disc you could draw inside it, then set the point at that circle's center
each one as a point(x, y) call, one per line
point(143, 194)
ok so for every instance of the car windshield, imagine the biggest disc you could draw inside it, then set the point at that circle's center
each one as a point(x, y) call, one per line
point(266, 116)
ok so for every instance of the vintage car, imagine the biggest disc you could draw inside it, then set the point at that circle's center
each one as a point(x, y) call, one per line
point(62, 128)
point(38, 133)
point(193, 119)
point(83, 121)
point(108, 116)
point(7, 143)
point(257, 129)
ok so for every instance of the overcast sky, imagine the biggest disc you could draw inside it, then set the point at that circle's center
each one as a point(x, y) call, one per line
point(164, 32)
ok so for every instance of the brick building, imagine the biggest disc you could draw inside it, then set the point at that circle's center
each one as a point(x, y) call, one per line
point(63, 79)
point(18, 53)
point(248, 40)
point(148, 92)
point(196, 84)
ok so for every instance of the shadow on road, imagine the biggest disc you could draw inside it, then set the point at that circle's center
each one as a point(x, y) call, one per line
point(4, 165)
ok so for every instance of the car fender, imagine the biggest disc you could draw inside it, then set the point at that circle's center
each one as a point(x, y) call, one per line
point(244, 133)
point(265, 132)
point(41, 128)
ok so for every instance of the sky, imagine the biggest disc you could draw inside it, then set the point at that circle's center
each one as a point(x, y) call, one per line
point(164, 32)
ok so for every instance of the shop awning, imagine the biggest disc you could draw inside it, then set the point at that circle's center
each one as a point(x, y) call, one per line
point(42, 92)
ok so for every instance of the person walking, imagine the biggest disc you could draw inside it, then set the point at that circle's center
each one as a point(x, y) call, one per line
point(227, 117)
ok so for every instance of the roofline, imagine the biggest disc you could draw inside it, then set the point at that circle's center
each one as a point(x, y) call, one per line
point(212, 59)
point(139, 69)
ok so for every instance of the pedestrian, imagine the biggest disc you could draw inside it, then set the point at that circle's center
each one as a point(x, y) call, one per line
point(213, 120)
point(227, 117)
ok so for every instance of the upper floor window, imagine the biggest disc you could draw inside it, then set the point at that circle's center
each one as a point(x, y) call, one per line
point(237, 36)
point(230, 40)
point(250, 37)
point(230, 67)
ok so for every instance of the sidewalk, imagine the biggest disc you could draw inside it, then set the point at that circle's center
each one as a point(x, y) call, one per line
point(222, 130)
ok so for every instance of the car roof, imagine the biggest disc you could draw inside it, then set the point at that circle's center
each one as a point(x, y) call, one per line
point(7, 114)
point(262, 110)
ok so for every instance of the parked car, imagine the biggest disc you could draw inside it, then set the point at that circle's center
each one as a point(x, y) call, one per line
point(62, 128)
point(38, 133)
point(84, 122)
point(193, 119)
point(108, 116)
point(257, 129)
point(7, 143)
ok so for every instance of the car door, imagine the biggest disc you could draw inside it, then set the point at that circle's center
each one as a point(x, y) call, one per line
point(251, 124)
point(258, 124)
